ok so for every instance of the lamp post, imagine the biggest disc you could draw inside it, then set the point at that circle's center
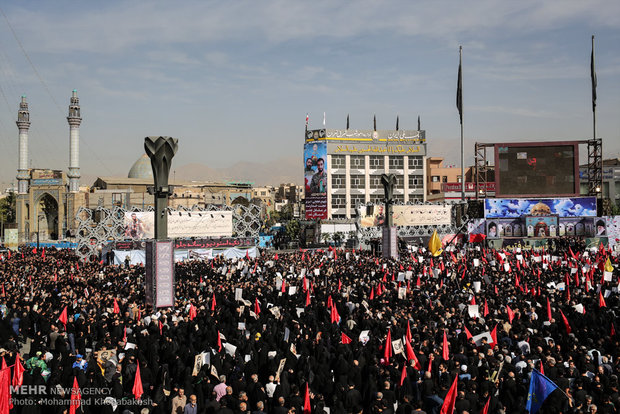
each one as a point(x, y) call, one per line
point(161, 150)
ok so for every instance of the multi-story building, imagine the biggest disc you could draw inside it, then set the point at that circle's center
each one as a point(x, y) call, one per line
point(611, 180)
point(343, 169)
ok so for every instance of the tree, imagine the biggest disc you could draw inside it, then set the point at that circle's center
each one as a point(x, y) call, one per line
point(292, 229)
point(7, 209)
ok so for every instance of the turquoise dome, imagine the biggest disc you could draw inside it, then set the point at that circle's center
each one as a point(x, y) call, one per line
point(141, 169)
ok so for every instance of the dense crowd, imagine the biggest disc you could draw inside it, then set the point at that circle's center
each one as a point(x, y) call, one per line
point(347, 333)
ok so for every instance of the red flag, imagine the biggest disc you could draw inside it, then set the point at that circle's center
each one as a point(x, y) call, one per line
point(344, 339)
point(18, 372)
point(3, 291)
point(450, 400)
point(446, 350)
point(76, 397)
point(485, 410)
point(417, 282)
point(256, 307)
point(116, 308)
point(247, 255)
point(494, 335)
point(63, 317)
point(612, 331)
point(467, 333)
point(412, 357)
point(308, 297)
point(372, 293)
point(403, 375)
point(339, 285)
point(124, 334)
point(473, 300)
point(283, 286)
point(548, 310)
point(219, 342)
point(161, 328)
point(276, 257)
point(495, 289)
point(601, 300)
point(330, 302)
point(542, 369)
point(486, 309)
point(387, 348)
point(408, 333)
point(566, 324)
point(213, 303)
point(137, 390)
point(307, 407)
point(511, 314)
point(335, 317)
point(192, 312)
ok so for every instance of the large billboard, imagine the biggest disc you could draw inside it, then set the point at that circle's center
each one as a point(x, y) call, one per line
point(315, 180)
point(562, 207)
point(140, 225)
point(537, 169)
point(417, 215)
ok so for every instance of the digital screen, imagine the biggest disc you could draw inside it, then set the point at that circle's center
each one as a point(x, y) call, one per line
point(536, 170)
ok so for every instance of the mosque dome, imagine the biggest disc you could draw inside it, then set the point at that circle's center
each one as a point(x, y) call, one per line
point(141, 169)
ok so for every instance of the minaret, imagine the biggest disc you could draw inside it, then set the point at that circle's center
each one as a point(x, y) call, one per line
point(74, 120)
point(23, 123)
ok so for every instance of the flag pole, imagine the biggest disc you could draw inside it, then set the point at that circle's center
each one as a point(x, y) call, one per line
point(593, 76)
point(460, 91)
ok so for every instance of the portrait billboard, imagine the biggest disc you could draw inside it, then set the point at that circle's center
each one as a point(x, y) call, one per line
point(510, 227)
point(403, 215)
point(539, 169)
point(562, 207)
point(315, 180)
point(141, 225)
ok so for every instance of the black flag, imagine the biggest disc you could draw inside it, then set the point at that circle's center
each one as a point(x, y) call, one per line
point(347, 121)
point(593, 76)
point(374, 121)
point(419, 123)
point(459, 89)
point(397, 122)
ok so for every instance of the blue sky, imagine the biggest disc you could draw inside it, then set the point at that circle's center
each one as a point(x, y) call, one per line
point(233, 80)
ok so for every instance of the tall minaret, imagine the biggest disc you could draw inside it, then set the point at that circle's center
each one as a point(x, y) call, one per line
point(23, 123)
point(74, 120)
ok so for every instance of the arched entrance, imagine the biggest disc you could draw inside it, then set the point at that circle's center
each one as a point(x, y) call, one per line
point(46, 218)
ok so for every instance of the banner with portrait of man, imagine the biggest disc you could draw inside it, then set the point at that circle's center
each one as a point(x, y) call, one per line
point(315, 180)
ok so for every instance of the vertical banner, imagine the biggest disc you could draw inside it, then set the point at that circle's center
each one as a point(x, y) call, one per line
point(315, 180)
point(160, 273)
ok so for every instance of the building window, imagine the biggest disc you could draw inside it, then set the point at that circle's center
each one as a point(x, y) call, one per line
point(416, 197)
point(376, 198)
point(339, 201)
point(117, 199)
point(415, 163)
point(400, 182)
point(338, 181)
point(357, 200)
point(399, 198)
point(357, 162)
point(415, 182)
point(396, 163)
point(338, 161)
point(444, 179)
point(458, 179)
point(375, 182)
point(435, 178)
point(377, 162)
point(358, 181)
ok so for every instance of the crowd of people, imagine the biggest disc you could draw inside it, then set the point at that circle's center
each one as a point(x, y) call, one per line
point(336, 331)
